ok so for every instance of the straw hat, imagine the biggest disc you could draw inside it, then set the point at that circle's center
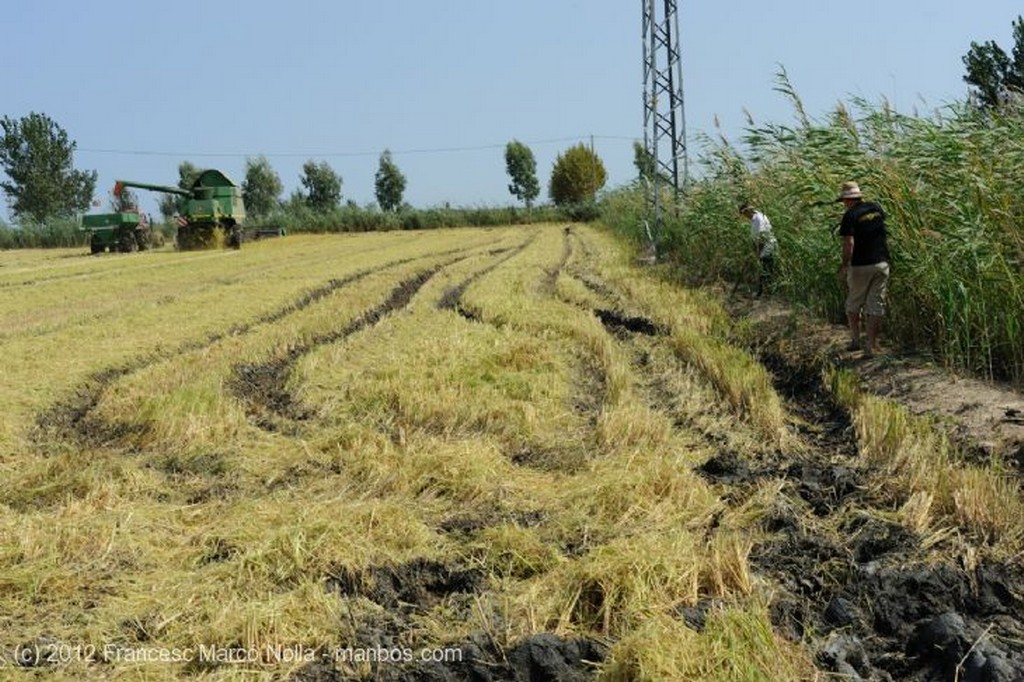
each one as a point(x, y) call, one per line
point(849, 190)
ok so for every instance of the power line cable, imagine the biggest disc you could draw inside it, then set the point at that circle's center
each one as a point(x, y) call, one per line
point(432, 150)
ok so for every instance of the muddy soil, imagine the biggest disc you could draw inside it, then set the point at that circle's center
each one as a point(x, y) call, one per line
point(537, 658)
point(871, 601)
point(406, 590)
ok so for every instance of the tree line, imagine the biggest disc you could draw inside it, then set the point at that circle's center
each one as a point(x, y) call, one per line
point(42, 184)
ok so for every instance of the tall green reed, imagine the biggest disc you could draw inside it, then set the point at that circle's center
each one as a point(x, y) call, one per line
point(950, 183)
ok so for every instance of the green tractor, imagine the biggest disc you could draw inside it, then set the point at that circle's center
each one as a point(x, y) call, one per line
point(126, 232)
point(213, 214)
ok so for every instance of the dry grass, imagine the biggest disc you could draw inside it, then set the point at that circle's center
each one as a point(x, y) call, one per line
point(527, 446)
point(917, 467)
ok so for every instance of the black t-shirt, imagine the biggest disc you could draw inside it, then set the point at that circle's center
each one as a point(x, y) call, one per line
point(865, 222)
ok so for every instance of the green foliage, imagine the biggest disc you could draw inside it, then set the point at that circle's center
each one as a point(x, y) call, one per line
point(323, 186)
point(521, 167)
point(37, 157)
point(583, 212)
point(389, 183)
point(170, 204)
point(296, 216)
point(994, 75)
point(261, 188)
point(950, 184)
point(643, 160)
point(577, 176)
point(54, 233)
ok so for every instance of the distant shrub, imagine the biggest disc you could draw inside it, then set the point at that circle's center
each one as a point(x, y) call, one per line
point(583, 212)
point(296, 217)
point(56, 233)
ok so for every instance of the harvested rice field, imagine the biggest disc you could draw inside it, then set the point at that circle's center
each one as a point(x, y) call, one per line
point(475, 454)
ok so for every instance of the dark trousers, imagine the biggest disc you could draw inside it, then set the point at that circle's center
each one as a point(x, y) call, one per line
point(764, 282)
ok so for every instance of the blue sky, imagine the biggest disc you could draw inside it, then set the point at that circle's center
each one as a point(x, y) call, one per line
point(445, 84)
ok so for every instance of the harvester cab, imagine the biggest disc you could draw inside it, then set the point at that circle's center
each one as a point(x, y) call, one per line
point(213, 212)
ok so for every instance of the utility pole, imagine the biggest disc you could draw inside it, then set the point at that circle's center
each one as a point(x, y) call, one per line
point(593, 170)
point(664, 122)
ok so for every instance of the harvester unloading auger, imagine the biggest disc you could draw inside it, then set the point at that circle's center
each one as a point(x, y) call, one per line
point(213, 214)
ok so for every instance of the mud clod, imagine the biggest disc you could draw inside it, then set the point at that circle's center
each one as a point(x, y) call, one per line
point(696, 616)
point(615, 322)
point(806, 564)
point(823, 487)
point(416, 585)
point(726, 467)
point(538, 658)
point(468, 524)
point(841, 613)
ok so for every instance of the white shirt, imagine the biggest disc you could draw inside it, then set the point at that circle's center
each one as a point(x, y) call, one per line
point(761, 231)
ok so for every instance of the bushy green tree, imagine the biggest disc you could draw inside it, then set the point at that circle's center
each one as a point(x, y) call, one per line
point(262, 187)
point(170, 204)
point(577, 176)
point(643, 160)
point(389, 183)
point(522, 169)
point(323, 186)
point(37, 157)
point(995, 75)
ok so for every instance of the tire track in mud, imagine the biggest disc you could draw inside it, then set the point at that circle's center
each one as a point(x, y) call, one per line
point(861, 591)
point(417, 586)
point(452, 298)
point(409, 590)
point(71, 419)
point(262, 388)
point(588, 394)
point(866, 598)
point(588, 279)
point(551, 276)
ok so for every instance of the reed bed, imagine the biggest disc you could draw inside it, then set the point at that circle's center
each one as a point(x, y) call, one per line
point(949, 182)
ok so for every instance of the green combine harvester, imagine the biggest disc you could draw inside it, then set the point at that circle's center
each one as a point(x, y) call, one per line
point(126, 232)
point(213, 213)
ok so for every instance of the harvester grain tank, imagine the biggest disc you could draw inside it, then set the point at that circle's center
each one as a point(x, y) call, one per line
point(213, 214)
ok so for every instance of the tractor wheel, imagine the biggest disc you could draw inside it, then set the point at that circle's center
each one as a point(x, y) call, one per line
point(143, 238)
point(128, 243)
point(95, 246)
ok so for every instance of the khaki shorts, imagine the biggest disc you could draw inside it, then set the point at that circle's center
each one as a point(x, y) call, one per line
point(867, 288)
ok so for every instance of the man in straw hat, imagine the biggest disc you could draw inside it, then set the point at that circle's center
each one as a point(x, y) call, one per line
point(865, 266)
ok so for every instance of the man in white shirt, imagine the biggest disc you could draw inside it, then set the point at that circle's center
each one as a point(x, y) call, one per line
point(765, 245)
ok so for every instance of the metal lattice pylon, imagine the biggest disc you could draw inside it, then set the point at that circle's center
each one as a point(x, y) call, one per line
point(664, 123)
